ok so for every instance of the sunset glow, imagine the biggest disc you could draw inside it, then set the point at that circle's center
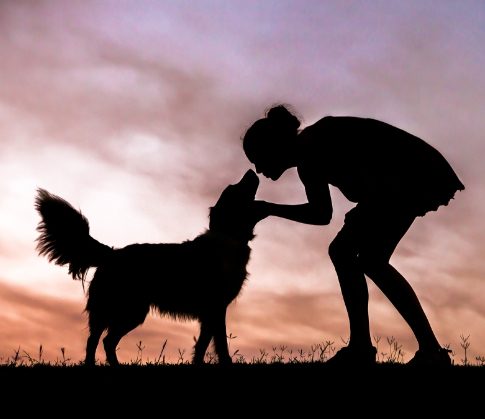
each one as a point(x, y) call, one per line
point(133, 111)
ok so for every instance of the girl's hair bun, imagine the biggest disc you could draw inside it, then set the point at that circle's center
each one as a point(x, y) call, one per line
point(281, 116)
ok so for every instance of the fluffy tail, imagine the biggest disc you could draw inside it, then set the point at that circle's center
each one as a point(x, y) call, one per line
point(64, 236)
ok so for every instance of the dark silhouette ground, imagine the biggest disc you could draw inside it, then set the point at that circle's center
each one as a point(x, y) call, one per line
point(309, 390)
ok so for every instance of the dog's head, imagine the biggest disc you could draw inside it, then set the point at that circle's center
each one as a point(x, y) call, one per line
point(233, 214)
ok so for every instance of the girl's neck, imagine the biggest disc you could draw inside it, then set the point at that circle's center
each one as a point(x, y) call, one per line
point(293, 153)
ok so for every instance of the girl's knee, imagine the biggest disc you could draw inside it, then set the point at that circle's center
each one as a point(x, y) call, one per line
point(341, 252)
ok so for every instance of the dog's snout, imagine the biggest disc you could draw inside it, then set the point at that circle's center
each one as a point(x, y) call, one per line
point(251, 178)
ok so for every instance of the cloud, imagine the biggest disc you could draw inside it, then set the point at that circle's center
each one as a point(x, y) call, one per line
point(30, 319)
point(109, 99)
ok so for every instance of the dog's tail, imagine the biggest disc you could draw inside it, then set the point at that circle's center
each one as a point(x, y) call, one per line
point(64, 236)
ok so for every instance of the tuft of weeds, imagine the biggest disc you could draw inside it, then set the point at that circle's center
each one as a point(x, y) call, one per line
point(465, 344)
point(161, 357)
point(480, 360)
point(396, 355)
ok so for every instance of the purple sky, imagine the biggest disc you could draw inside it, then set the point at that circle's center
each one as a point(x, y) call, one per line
point(133, 112)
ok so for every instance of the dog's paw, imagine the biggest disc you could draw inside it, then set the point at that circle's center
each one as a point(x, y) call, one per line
point(197, 361)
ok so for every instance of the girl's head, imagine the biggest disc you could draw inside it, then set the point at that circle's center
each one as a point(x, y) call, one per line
point(269, 141)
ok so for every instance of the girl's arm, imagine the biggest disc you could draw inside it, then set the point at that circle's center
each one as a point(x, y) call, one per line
point(317, 211)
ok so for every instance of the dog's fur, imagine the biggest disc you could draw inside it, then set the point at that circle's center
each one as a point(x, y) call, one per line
point(195, 279)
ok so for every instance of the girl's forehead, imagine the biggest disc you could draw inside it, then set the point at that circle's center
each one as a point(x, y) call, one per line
point(256, 156)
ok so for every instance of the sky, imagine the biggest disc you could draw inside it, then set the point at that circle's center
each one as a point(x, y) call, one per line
point(133, 111)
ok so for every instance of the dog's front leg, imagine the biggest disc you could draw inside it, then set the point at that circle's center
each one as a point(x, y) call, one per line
point(203, 341)
point(220, 338)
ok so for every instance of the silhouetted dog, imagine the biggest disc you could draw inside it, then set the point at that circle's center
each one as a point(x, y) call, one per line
point(195, 279)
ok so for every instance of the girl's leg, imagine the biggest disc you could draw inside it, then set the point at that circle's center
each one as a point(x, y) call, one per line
point(343, 253)
point(402, 296)
point(379, 239)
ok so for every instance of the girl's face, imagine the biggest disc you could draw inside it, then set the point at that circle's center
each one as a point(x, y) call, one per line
point(268, 149)
point(270, 166)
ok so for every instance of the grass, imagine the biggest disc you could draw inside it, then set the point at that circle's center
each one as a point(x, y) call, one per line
point(389, 353)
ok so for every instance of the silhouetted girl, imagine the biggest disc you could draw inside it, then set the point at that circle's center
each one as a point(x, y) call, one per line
point(393, 177)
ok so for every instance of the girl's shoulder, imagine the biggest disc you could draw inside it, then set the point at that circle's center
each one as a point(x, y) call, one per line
point(321, 131)
point(320, 128)
point(326, 121)
point(329, 125)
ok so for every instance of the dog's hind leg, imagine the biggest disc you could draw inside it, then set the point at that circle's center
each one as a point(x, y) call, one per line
point(118, 330)
point(95, 331)
point(111, 341)
point(203, 341)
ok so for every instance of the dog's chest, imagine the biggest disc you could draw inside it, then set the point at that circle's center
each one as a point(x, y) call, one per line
point(229, 262)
